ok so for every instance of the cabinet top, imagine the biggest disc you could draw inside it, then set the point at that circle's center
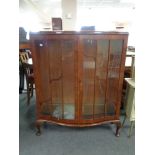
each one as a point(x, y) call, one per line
point(79, 32)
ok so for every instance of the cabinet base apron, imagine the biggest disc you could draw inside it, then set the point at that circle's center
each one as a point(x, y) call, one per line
point(41, 122)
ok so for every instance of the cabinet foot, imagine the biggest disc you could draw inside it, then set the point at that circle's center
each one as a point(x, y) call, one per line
point(38, 127)
point(38, 133)
point(118, 126)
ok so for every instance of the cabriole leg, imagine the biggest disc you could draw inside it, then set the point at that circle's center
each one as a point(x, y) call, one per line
point(38, 127)
point(118, 126)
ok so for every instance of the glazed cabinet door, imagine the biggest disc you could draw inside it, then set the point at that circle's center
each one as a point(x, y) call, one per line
point(100, 74)
point(56, 86)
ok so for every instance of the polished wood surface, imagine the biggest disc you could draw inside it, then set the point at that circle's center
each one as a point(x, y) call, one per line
point(24, 46)
point(79, 76)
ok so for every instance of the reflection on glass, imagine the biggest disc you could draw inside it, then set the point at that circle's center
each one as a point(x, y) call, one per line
point(68, 81)
point(101, 66)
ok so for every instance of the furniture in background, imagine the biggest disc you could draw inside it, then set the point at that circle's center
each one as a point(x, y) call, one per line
point(127, 73)
point(24, 57)
point(26, 64)
point(23, 47)
point(22, 35)
point(28, 70)
point(130, 103)
point(89, 28)
point(78, 77)
point(57, 24)
point(130, 98)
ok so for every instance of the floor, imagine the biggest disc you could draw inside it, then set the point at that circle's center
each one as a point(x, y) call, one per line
point(60, 140)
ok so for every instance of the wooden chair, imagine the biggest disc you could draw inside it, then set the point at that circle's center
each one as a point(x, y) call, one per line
point(28, 71)
point(24, 57)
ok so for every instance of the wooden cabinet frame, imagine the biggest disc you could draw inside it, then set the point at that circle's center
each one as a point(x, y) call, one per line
point(89, 69)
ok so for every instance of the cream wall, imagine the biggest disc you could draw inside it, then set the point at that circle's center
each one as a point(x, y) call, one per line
point(69, 14)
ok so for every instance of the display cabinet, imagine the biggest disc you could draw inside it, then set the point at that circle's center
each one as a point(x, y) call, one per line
point(78, 77)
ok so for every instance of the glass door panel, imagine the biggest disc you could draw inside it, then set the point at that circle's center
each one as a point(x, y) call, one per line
point(61, 68)
point(68, 81)
point(55, 63)
point(113, 76)
point(89, 64)
point(95, 58)
point(100, 78)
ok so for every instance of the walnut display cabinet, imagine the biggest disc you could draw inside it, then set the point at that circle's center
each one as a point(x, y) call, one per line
point(78, 77)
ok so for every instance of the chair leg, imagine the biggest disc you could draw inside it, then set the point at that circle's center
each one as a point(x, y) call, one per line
point(124, 121)
point(131, 127)
point(28, 94)
point(118, 126)
point(31, 89)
